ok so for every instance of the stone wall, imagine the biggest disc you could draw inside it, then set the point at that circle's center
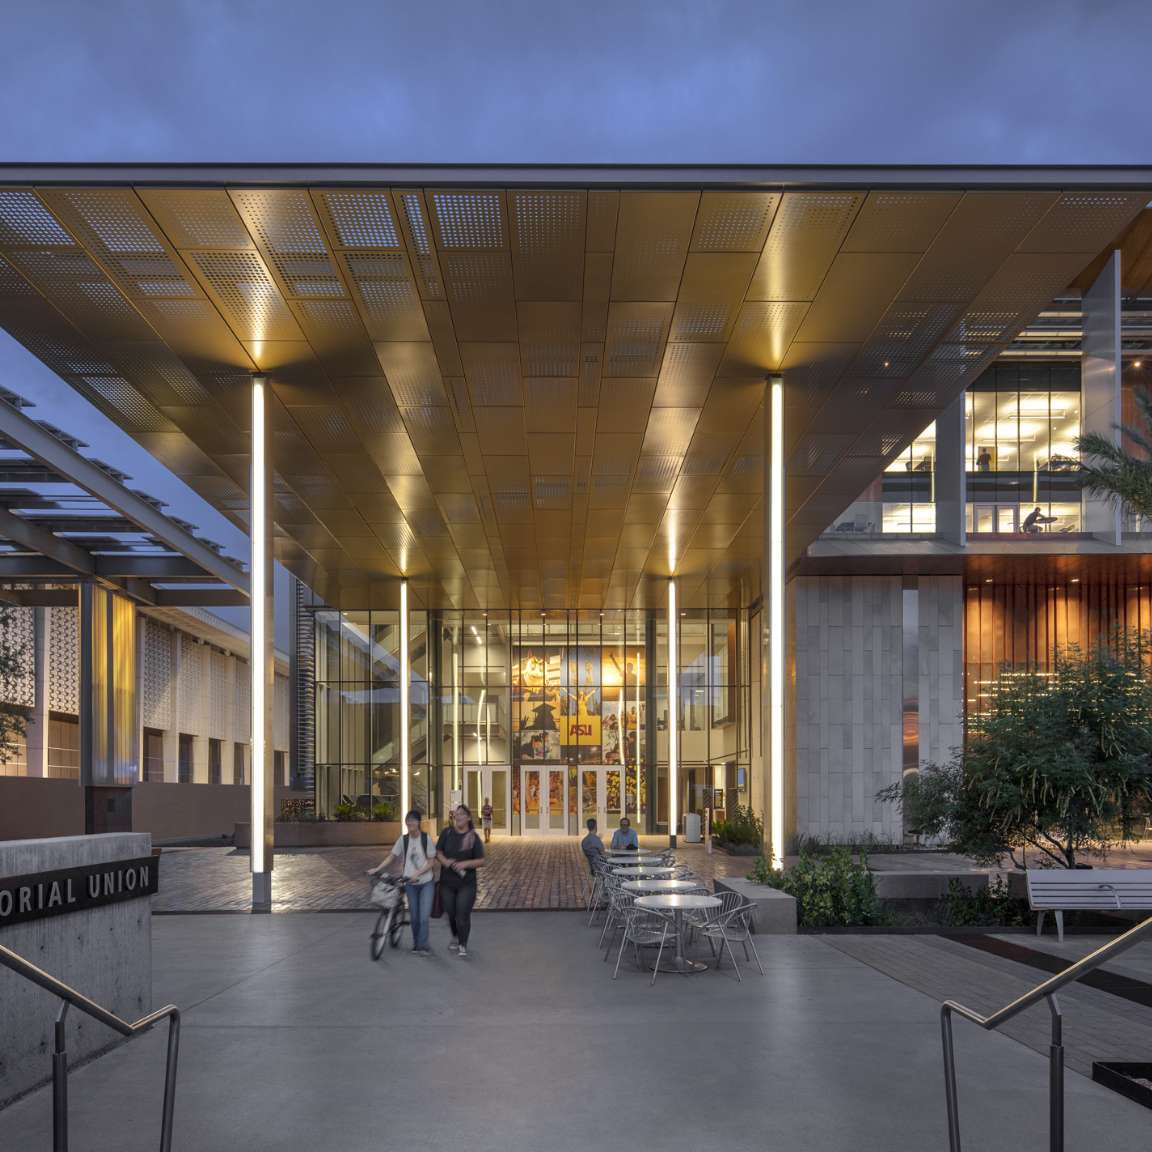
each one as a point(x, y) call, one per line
point(851, 684)
point(105, 953)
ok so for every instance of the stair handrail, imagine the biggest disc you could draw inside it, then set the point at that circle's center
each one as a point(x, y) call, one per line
point(1046, 990)
point(74, 999)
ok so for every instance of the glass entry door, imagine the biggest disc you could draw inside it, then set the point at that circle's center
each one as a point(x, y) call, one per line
point(492, 783)
point(602, 796)
point(544, 801)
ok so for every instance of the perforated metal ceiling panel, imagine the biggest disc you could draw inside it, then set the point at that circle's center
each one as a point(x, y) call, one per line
point(539, 393)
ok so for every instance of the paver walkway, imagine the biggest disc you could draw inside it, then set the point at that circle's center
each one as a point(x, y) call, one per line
point(1097, 1024)
point(294, 1041)
point(521, 874)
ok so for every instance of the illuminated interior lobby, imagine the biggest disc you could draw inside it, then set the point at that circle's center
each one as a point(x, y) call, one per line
point(611, 491)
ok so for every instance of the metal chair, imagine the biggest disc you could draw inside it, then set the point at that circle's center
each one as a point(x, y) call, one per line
point(643, 928)
point(731, 924)
point(619, 902)
point(602, 875)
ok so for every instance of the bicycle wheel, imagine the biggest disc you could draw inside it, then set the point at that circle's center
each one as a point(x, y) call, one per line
point(396, 924)
point(380, 932)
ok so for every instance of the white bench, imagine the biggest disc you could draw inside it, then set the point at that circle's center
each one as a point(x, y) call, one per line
point(1063, 890)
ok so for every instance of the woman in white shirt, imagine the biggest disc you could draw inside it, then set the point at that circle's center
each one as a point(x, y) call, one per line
point(415, 854)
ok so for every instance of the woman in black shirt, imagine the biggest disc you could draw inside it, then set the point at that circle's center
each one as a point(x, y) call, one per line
point(460, 852)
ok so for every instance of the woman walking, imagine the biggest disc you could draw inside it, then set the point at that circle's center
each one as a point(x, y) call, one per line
point(460, 852)
point(419, 860)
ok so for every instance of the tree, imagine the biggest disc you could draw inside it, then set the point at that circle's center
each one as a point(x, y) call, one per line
point(1059, 762)
point(13, 664)
point(1109, 470)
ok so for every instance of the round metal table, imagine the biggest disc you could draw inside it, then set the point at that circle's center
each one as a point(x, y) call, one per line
point(626, 861)
point(638, 871)
point(662, 886)
point(678, 904)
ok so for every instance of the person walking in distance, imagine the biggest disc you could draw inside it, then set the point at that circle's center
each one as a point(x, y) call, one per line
point(486, 818)
point(460, 852)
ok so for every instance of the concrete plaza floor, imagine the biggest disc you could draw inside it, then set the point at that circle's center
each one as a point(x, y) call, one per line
point(295, 1041)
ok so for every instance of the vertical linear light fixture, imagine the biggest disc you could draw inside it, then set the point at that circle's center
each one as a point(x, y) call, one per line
point(405, 692)
point(456, 708)
point(776, 615)
point(259, 656)
point(673, 713)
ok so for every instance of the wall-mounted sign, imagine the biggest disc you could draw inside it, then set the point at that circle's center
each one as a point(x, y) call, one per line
point(24, 898)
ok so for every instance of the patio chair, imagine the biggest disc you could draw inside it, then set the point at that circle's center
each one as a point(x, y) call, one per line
point(731, 924)
point(595, 882)
point(619, 902)
point(644, 928)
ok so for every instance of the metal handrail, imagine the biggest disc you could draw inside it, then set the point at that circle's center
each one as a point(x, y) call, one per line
point(73, 999)
point(1044, 991)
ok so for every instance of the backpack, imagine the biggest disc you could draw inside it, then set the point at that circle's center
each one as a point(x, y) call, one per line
point(423, 844)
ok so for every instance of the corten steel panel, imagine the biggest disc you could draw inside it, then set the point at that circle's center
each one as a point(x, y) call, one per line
point(525, 367)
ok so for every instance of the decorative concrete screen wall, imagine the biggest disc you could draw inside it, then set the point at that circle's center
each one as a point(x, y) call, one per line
point(104, 952)
point(879, 688)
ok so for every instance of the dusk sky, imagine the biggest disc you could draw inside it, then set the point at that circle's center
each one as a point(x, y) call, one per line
point(661, 81)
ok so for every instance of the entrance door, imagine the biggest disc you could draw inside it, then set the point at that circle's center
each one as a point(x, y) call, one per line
point(544, 801)
point(493, 783)
point(602, 795)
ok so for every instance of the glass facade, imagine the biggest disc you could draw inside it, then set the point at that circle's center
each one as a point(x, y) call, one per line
point(553, 717)
point(1021, 425)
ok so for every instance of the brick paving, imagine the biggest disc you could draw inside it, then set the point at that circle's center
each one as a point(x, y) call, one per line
point(1097, 1025)
point(521, 874)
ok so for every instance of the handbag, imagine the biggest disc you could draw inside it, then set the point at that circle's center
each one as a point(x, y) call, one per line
point(437, 902)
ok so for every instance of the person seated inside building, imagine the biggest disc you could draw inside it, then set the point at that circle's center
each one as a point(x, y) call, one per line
point(1034, 520)
point(592, 846)
point(984, 461)
point(625, 838)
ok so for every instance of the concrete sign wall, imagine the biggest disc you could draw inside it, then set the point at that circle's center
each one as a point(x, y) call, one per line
point(103, 950)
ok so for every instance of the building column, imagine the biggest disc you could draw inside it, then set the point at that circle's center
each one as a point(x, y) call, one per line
point(773, 614)
point(1100, 386)
point(37, 732)
point(406, 706)
point(260, 656)
point(949, 476)
point(673, 711)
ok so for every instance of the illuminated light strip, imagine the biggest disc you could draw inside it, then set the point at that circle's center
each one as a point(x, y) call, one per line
point(405, 691)
point(456, 709)
point(776, 617)
point(673, 713)
point(258, 540)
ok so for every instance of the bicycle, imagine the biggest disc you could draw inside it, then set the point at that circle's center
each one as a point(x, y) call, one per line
point(388, 895)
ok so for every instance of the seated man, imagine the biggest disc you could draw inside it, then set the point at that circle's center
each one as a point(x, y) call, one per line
point(625, 837)
point(592, 846)
point(1034, 520)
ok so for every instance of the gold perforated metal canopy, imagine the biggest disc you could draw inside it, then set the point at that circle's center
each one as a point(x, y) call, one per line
point(536, 387)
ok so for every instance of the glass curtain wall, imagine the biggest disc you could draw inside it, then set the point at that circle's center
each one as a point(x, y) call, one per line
point(1021, 424)
point(554, 717)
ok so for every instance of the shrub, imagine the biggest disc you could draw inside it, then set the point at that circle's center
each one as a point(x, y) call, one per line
point(742, 827)
point(349, 810)
point(961, 907)
point(831, 891)
point(383, 811)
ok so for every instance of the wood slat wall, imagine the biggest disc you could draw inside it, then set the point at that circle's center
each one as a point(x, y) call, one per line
point(1024, 625)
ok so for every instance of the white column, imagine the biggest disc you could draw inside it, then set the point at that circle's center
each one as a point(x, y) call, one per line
point(457, 632)
point(774, 599)
point(38, 721)
point(1100, 386)
point(950, 478)
point(405, 694)
point(260, 661)
point(673, 713)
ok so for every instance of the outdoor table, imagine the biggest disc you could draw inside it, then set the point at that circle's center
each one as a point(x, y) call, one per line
point(624, 861)
point(620, 854)
point(678, 904)
point(662, 885)
point(636, 871)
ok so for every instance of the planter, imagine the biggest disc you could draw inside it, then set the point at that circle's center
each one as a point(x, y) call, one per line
point(738, 849)
point(775, 913)
point(1131, 1080)
point(327, 833)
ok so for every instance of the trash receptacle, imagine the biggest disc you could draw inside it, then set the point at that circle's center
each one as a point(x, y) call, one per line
point(692, 827)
